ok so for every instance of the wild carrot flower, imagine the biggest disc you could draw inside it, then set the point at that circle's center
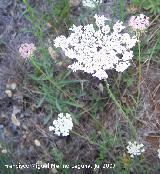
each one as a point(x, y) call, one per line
point(135, 149)
point(91, 3)
point(27, 50)
point(96, 50)
point(140, 22)
point(62, 125)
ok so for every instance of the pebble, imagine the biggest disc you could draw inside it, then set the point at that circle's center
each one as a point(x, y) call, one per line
point(4, 151)
point(37, 142)
point(54, 171)
point(74, 3)
point(8, 92)
point(13, 86)
point(1, 126)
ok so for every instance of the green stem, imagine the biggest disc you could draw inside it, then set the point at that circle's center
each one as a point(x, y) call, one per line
point(139, 65)
point(91, 142)
point(122, 10)
point(121, 110)
point(85, 138)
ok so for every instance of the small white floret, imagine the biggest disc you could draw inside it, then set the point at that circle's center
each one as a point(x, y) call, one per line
point(91, 3)
point(62, 125)
point(135, 149)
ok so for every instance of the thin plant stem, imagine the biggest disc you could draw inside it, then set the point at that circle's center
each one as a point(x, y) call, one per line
point(121, 110)
point(122, 10)
point(85, 138)
point(91, 142)
point(139, 66)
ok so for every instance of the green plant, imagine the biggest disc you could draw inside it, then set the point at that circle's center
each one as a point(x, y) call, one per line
point(62, 11)
point(151, 6)
point(59, 159)
point(6, 160)
point(36, 19)
point(122, 10)
point(59, 91)
point(39, 171)
point(59, 16)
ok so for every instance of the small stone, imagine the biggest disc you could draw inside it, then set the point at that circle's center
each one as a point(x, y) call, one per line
point(4, 151)
point(49, 25)
point(15, 121)
point(74, 3)
point(13, 86)
point(54, 171)
point(52, 53)
point(1, 126)
point(8, 86)
point(37, 142)
point(101, 88)
point(8, 92)
point(40, 162)
point(59, 63)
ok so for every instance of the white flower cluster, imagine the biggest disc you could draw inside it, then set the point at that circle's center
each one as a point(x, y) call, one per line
point(62, 125)
point(91, 3)
point(97, 49)
point(135, 149)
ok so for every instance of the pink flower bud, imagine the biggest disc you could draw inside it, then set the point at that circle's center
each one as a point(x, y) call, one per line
point(140, 22)
point(27, 50)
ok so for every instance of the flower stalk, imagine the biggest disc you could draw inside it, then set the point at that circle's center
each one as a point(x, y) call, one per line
point(138, 34)
point(133, 130)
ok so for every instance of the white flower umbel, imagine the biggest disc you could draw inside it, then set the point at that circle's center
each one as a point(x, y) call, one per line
point(158, 153)
point(62, 125)
point(96, 49)
point(135, 149)
point(91, 3)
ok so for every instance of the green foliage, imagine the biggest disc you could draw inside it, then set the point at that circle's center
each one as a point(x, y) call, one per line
point(151, 6)
point(59, 159)
point(40, 171)
point(54, 85)
point(136, 2)
point(36, 19)
point(6, 160)
point(155, 50)
point(128, 79)
point(122, 10)
point(106, 143)
point(58, 18)
point(61, 10)
point(61, 15)
point(102, 155)
point(57, 156)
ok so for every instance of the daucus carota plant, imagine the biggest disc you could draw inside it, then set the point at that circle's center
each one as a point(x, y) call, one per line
point(139, 24)
point(27, 50)
point(97, 49)
point(135, 149)
point(62, 125)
